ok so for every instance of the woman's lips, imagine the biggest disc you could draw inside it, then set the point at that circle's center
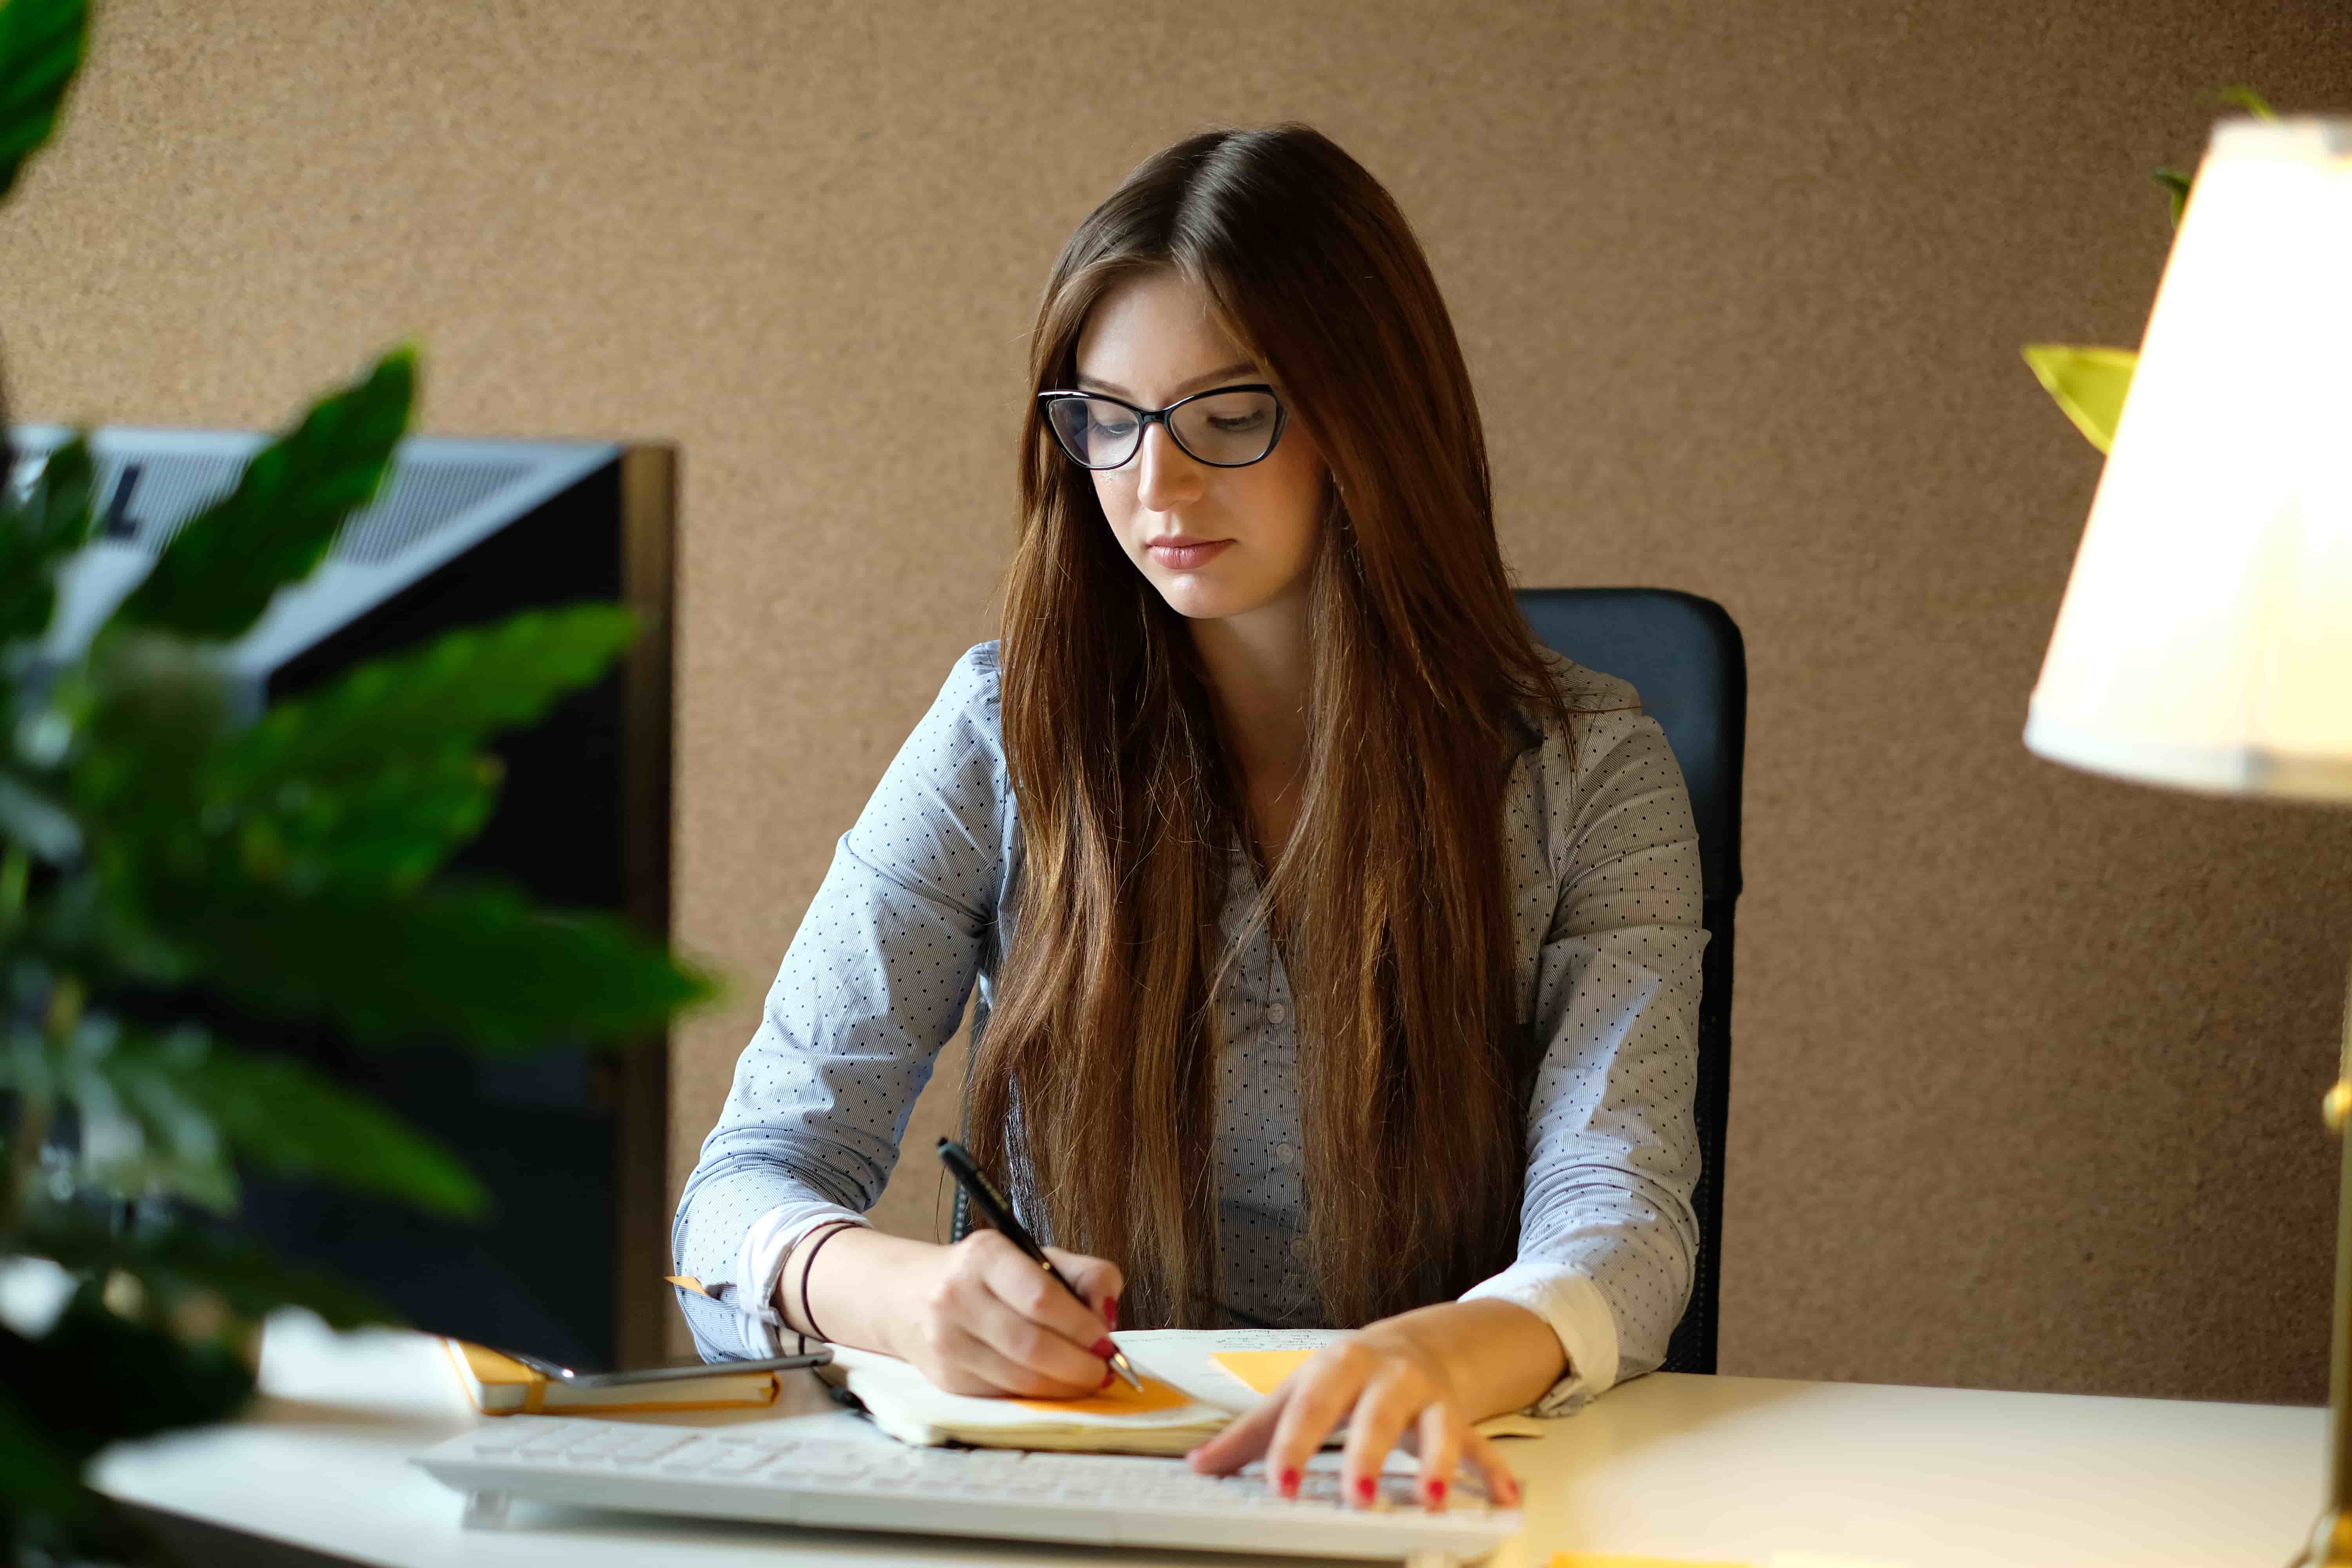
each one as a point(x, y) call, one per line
point(1184, 557)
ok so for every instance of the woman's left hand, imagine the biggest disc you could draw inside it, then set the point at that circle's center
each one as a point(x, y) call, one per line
point(1394, 1376)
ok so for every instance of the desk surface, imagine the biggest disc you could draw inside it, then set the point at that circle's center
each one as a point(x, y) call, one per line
point(1714, 1468)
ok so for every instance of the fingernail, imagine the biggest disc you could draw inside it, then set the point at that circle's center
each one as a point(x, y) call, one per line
point(1511, 1490)
point(1109, 1377)
point(1436, 1494)
point(1104, 1349)
point(1364, 1487)
point(1110, 1311)
point(1291, 1483)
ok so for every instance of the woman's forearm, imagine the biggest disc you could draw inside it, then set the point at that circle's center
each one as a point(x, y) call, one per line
point(858, 1286)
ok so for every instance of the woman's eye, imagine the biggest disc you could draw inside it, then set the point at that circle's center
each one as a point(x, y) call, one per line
point(1244, 422)
point(1113, 427)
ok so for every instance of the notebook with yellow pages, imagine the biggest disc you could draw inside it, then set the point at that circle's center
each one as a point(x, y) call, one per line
point(1194, 1380)
point(501, 1385)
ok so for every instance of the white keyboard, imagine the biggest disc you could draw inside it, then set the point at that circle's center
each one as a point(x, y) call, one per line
point(818, 1473)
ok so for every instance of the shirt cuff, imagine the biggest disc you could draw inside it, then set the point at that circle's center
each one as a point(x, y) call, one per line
point(760, 1262)
point(1578, 1315)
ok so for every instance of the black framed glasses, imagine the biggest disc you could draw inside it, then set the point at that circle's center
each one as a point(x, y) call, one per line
point(1225, 427)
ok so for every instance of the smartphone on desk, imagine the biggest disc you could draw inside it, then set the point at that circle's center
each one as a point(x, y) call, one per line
point(581, 1377)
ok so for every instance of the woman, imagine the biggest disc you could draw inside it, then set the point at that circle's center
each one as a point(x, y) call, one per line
point(1356, 967)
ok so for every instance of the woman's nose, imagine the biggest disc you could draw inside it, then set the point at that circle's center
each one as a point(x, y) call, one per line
point(1165, 478)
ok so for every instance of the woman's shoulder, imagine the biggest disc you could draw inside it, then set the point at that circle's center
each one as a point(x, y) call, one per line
point(974, 679)
point(966, 709)
point(1603, 709)
point(960, 733)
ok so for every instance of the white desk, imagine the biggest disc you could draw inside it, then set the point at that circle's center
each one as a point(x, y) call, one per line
point(1714, 1468)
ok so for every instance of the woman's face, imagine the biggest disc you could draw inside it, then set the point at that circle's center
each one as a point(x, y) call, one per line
point(1151, 341)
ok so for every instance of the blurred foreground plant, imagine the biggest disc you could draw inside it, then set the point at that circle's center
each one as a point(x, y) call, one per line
point(151, 844)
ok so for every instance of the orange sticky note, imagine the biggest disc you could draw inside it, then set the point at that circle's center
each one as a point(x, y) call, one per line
point(1119, 1399)
point(1261, 1370)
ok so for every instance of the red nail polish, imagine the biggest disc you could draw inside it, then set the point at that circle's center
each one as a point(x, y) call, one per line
point(1110, 1311)
point(1437, 1492)
point(1109, 1377)
point(1291, 1483)
point(1104, 1349)
point(1364, 1487)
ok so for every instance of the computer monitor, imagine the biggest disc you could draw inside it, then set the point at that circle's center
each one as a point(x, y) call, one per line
point(569, 1141)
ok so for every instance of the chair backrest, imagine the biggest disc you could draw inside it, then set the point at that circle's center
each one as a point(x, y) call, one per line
point(1686, 659)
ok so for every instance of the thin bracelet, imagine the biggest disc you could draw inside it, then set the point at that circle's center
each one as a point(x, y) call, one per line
point(827, 1234)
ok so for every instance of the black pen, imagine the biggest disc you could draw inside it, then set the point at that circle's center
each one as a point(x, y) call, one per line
point(998, 1213)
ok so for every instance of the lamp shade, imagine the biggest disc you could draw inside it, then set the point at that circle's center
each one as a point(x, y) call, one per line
point(2205, 640)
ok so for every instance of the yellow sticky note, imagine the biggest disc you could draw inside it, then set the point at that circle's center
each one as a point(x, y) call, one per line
point(1119, 1399)
point(1261, 1370)
point(1612, 1559)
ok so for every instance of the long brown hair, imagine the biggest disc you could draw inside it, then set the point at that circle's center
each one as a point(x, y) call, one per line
point(1093, 1089)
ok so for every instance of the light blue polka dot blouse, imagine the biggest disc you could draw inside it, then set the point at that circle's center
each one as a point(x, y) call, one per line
point(1604, 890)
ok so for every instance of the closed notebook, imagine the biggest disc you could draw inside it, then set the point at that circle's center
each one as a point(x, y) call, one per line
point(1189, 1394)
point(501, 1385)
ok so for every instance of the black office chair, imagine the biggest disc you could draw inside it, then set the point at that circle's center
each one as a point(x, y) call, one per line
point(1686, 659)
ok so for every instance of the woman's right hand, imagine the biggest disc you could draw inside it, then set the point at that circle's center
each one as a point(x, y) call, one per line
point(982, 1318)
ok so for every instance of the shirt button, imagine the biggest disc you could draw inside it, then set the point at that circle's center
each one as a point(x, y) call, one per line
point(1284, 1153)
point(1298, 1248)
point(1278, 1014)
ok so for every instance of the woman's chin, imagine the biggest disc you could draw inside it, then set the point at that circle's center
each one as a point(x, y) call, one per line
point(1199, 601)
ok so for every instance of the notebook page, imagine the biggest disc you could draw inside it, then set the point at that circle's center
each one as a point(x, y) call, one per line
point(901, 1398)
point(1187, 1358)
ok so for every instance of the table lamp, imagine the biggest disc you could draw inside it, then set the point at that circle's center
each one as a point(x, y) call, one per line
point(2205, 640)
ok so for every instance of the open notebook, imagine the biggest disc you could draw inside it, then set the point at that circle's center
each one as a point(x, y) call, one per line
point(1194, 1380)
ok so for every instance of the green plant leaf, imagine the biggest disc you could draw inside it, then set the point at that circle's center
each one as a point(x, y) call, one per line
point(177, 1261)
point(475, 963)
point(2175, 185)
point(35, 534)
point(41, 46)
point(280, 1114)
point(460, 687)
point(35, 1477)
point(141, 1134)
point(2088, 384)
point(221, 571)
point(149, 709)
point(2247, 98)
point(29, 817)
point(365, 787)
point(92, 922)
point(385, 833)
point(162, 1112)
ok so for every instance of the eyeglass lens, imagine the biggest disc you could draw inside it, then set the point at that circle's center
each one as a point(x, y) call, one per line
point(1226, 429)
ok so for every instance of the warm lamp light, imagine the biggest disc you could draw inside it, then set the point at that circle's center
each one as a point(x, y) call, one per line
point(2206, 637)
point(2205, 640)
